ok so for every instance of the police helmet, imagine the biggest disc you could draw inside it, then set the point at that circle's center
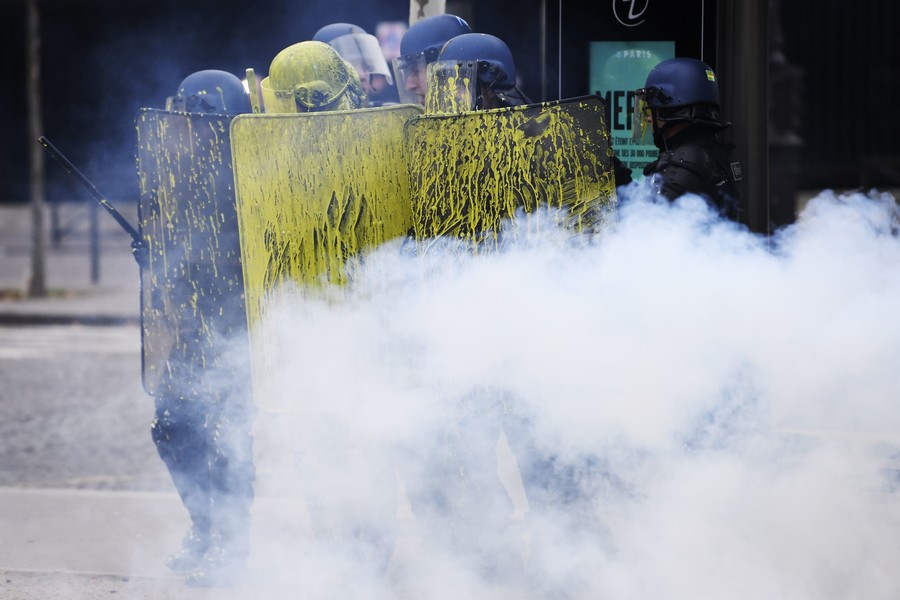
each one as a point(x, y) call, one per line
point(496, 67)
point(311, 76)
point(490, 59)
point(680, 89)
point(680, 82)
point(428, 35)
point(211, 91)
point(420, 47)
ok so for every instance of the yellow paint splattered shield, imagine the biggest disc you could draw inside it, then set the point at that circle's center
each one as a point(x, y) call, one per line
point(475, 170)
point(314, 191)
point(191, 292)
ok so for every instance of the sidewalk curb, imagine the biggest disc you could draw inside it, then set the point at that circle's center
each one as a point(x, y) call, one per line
point(66, 319)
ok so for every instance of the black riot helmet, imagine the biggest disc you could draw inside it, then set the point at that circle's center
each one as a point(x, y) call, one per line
point(678, 90)
point(211, 91)
point(493, 64)
point(420, 46)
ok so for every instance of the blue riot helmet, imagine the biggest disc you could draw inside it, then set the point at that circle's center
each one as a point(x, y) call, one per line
point(420, 46)
point(681, 82)
point(491, 64)
point(678, 90)
point(430, 34)
point(211, 91)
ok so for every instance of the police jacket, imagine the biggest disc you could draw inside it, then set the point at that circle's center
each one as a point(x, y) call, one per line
point(695, 161)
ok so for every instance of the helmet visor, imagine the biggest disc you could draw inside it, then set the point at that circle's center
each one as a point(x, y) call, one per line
point(313, 96)
point(410, 71)
point(363, 51)
point(195, 103)
point(452, 87)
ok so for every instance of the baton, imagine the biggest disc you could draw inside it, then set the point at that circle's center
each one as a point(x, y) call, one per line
point(68, 166)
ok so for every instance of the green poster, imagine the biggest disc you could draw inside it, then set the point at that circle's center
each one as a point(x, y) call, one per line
point(617, 70)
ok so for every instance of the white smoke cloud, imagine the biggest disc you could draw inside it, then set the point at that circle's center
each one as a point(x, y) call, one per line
point(726, 405)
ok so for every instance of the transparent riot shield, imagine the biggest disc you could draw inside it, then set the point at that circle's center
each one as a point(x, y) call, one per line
point(473, 171)
point(192, 311)
point(314, 191)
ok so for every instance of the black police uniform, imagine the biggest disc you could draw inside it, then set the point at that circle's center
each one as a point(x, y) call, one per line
point(204, 409)
point(203, 422)
point(621, 173)
point(695, 161)
point(202, 432)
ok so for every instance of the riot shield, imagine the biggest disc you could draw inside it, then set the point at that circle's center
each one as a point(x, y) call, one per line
point(314, 191)
point(192, 312)
point(476, 170)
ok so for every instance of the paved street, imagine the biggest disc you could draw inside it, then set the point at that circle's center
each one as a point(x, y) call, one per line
point(86, 506)
point(83, 421)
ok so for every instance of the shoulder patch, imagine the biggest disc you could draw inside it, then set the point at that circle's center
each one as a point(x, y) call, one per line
point(736, 170)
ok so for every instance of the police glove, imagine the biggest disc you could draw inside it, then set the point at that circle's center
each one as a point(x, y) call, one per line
point(141, 253)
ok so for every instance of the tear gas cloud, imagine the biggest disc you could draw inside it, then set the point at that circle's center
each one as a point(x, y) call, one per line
point(723, 407)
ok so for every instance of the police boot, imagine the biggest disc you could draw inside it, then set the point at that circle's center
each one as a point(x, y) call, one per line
point(229, 547)
point(231, 494)
point(193, 547)
point(224, 563)
point(176, 433)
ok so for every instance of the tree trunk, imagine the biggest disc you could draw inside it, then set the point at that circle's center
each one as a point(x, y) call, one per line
point(37, 285)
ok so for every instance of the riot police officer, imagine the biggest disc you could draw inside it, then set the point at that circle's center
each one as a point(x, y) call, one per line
point(476, 71)
point(459, 493)
point(204, 411)
point(680, 101)
point(420, 46)
point(311, 77)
